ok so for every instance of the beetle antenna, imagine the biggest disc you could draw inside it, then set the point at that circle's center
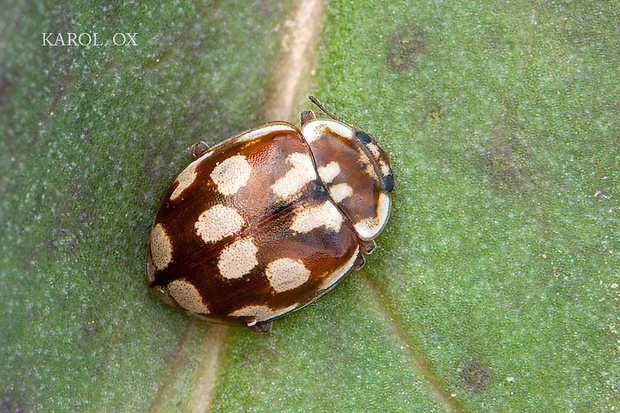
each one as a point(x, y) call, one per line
point(320, 106)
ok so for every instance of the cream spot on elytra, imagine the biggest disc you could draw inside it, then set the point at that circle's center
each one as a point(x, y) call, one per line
point(218, 222)
point(297, 177)
point(232, 174)
point(329, 172)
point(385, 168)
point(251, 311)
point(161, 247)
point(318, 128)
point(185, 179)
point(370, 227)
point(285, 274)
point(374, 149)
point(261, 312)
point(237, 259)
point(368, 166)
point(325, 215)
point(187, 296)
point(340, 192)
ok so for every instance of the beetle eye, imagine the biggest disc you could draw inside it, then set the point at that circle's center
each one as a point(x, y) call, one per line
point(388, 183)
point(363, 137)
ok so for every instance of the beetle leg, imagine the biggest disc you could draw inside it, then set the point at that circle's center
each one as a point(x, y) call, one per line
point(263, 327)
point(199, 149)
point(359, 262)
point(306, 116)
point(368, 246)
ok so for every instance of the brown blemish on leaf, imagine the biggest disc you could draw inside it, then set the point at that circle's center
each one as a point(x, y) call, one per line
point(505, 156)
point(433, 110)
point(504, 164)
point(475, 376)
point(89, 330)
point(407, 43)
point(5, 85)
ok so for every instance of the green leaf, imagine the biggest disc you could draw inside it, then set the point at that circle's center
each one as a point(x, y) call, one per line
point(495, 286)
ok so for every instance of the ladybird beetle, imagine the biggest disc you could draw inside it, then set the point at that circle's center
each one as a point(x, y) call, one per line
point(269, 220)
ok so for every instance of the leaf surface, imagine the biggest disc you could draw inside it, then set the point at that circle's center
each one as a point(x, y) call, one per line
point(493, 288)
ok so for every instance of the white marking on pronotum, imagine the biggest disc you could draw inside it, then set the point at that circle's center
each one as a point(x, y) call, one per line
point(333, 278)
point(368, 166)
point(261, 312)
point(340, 192)
point(238, 258)
point(218, 222)
point(308, 218)
point(329, 172)
point(385, 168)
point(368, 228)
point(161, 247)
point(286, 274)
point(374, 149)
point(232, 174)
point(297, 177)
point(317, 128)
point(187, 296)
